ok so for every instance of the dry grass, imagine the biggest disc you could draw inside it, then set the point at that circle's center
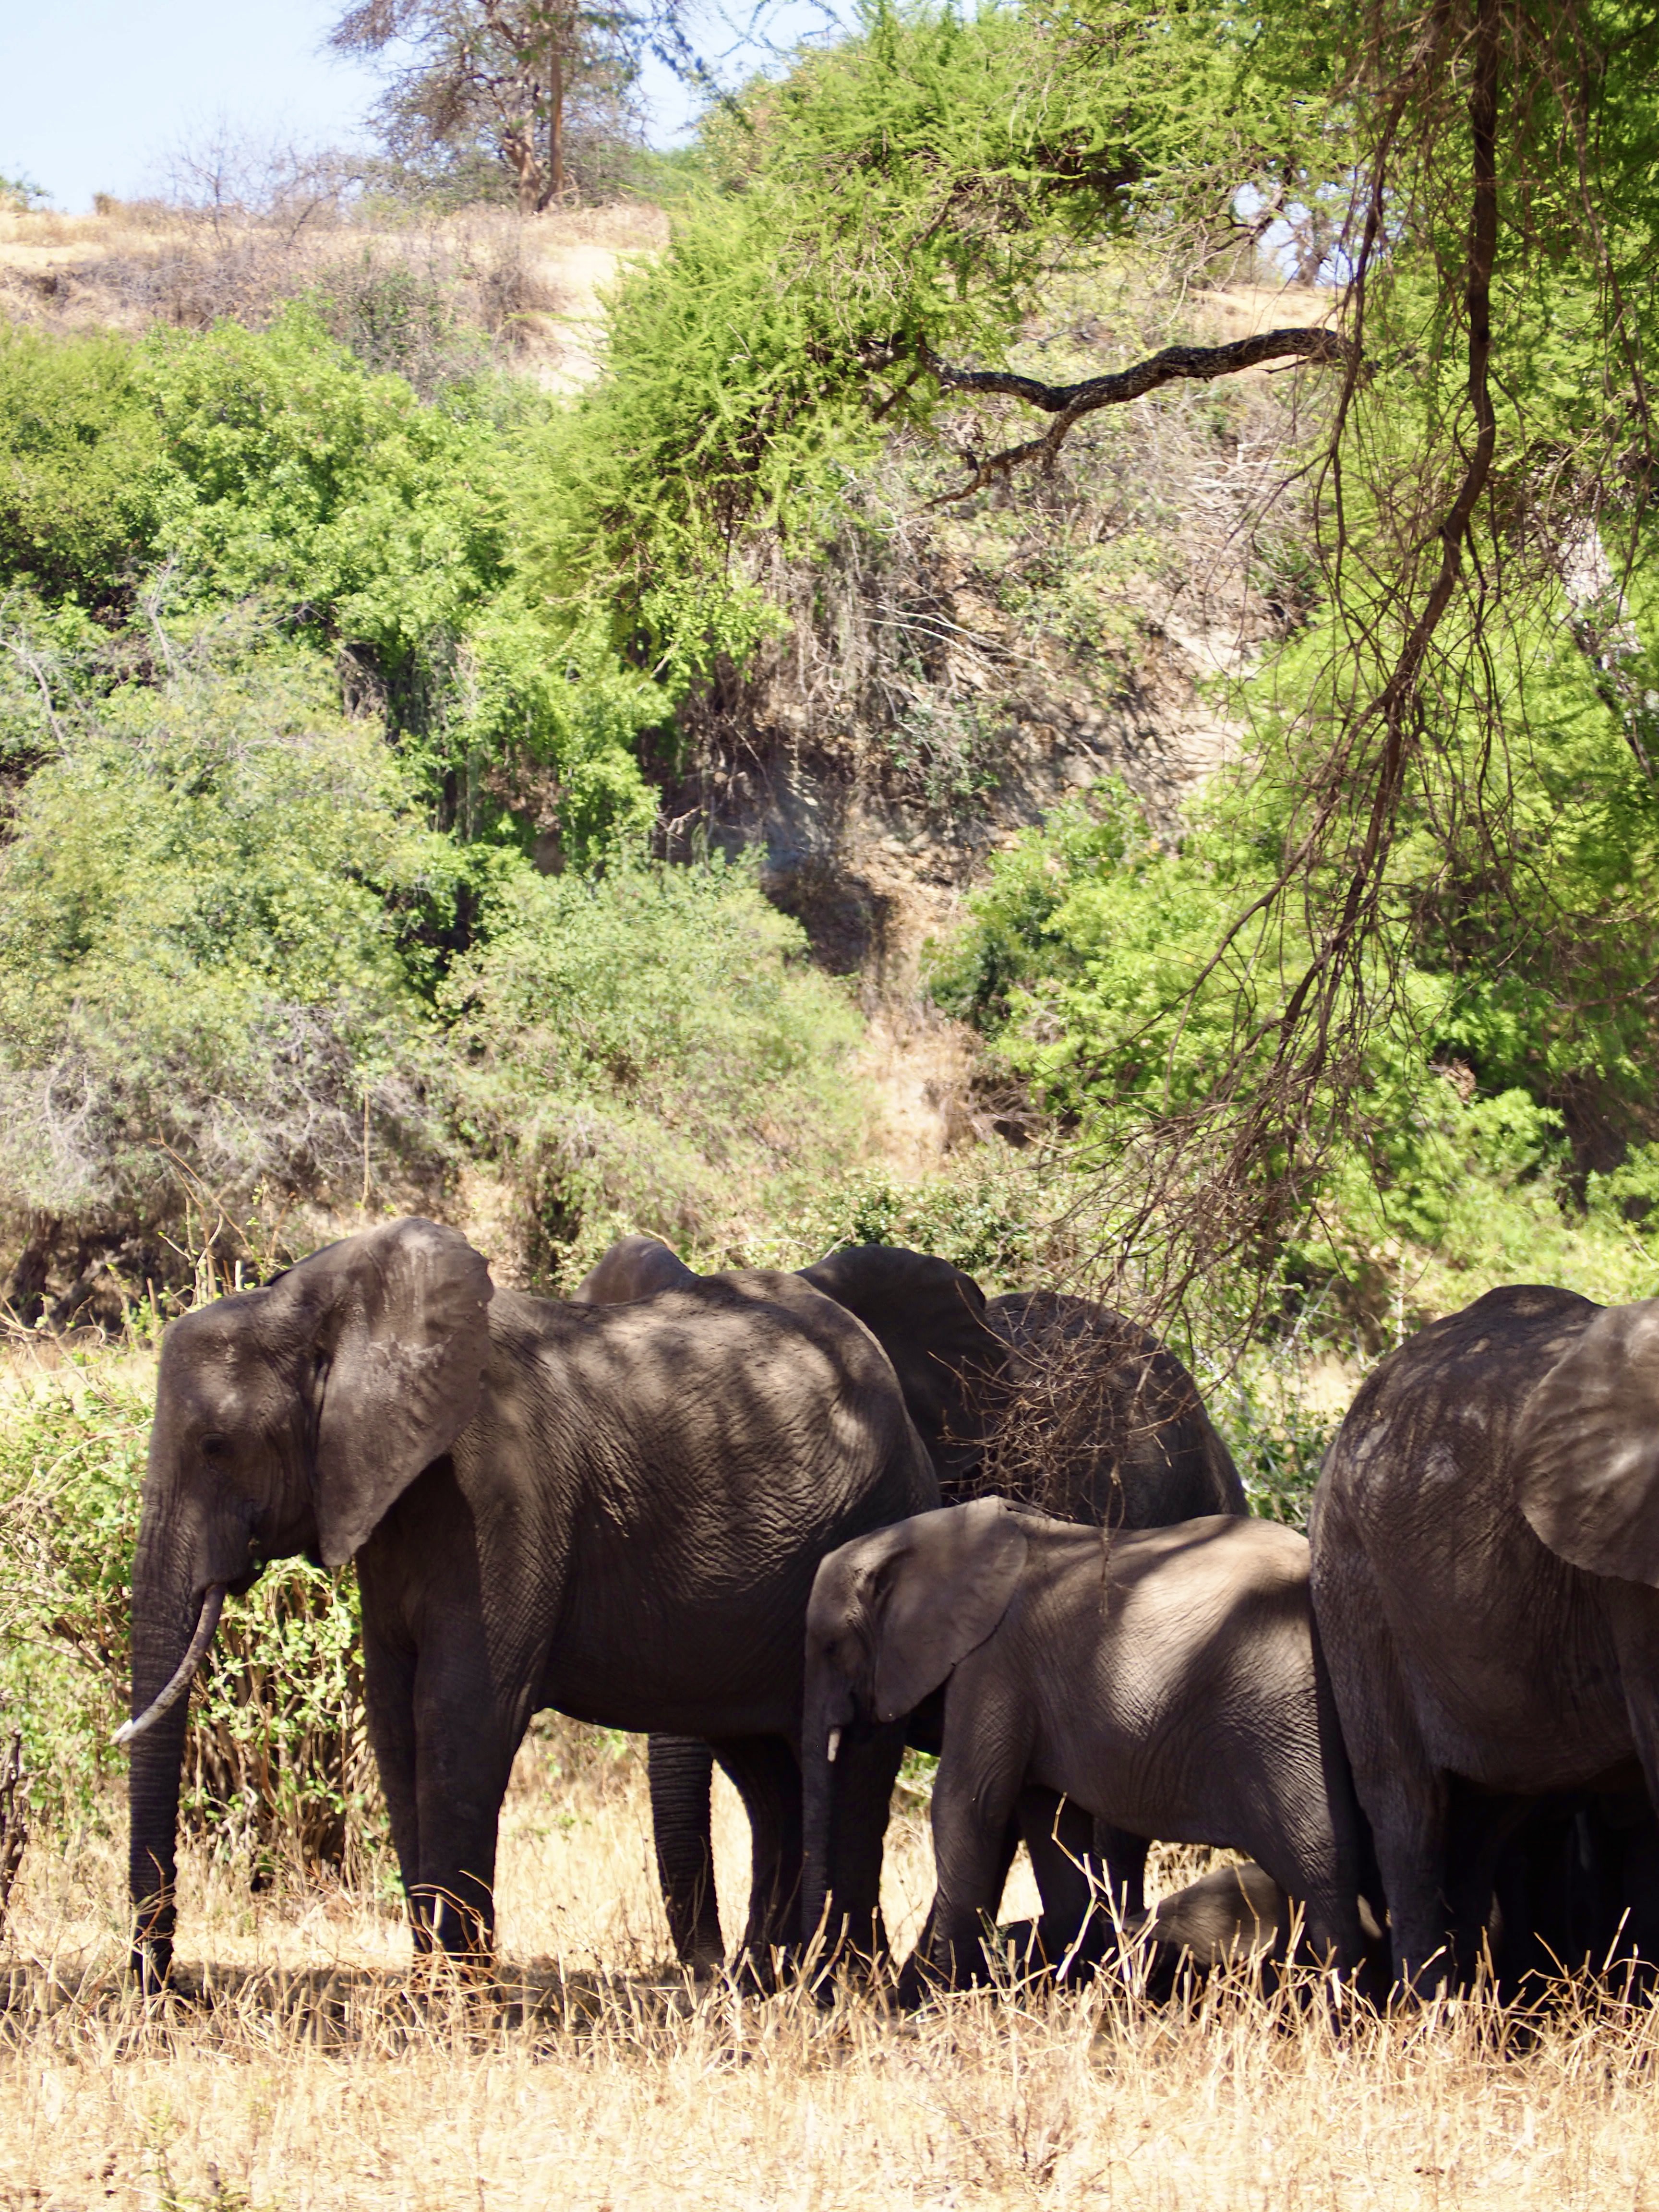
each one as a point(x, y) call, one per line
point(531, 286)
point(319, 2075)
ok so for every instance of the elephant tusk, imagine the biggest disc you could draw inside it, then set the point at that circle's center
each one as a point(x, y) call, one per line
point(213, 1599)
point(833, 1745)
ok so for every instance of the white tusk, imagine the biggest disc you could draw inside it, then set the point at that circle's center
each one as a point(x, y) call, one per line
point(212, 1603)
point(833, 1745)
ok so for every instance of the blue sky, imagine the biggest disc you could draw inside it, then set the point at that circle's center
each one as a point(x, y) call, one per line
point(93, 94)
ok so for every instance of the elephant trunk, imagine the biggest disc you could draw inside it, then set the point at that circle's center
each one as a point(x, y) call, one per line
point(169, 1619)
point(184, 1673)
point(821, 1739)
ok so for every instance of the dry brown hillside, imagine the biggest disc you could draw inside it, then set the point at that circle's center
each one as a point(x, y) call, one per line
point(531, 286)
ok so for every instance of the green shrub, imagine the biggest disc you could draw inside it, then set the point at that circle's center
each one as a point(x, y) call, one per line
point(202, 974)
point(297, 475)
point(649, 1051)
point(989, 1216)
point(1507, 1047)
point(81, 466)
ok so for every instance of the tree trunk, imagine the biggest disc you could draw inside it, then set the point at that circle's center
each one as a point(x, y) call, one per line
point(555, 127)
point(521, 152)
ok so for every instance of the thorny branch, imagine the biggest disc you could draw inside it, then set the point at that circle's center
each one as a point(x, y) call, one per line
point(1069, 403)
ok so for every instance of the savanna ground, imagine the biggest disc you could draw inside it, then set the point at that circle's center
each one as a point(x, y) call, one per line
point(313, 2071)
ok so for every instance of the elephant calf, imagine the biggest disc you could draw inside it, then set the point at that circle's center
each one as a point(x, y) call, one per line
point(1168, 1685)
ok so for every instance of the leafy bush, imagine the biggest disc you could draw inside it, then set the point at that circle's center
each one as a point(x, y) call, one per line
point(198, 471)
point(987, 1216)
point(81, 465)
point(202, 960)
point(650, 1050)
point(295, 474)
point(1509, 1061)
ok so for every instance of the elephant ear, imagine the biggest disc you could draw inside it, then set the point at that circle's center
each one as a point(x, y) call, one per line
point(940, 1592)
point(398, 1323)
point(633, 1268)
point(929, 1318)
point(1588, 1447)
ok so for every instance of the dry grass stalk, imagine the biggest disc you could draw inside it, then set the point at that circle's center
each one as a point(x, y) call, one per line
point(316, 2071)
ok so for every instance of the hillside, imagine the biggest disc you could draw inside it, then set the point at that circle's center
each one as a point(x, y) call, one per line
point(410, 288)
point(517, 717)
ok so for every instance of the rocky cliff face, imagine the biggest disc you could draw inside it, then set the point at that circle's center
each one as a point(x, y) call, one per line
point(950, 675)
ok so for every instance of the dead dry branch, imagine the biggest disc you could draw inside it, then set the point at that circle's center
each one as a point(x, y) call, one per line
point(1069, 403)
point(13, 1815)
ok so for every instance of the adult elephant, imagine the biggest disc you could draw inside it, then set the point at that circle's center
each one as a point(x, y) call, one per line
point(1120, 1437)
point(614, 1511)
point(1485, 1577)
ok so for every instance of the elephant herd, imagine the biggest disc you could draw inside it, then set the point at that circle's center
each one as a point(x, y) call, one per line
point(752, 1515)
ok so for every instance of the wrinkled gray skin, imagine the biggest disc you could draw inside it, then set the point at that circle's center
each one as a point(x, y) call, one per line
point(1485, 1547)
point(1167, 1685)
point(1146, 1455)
point(613, 1511)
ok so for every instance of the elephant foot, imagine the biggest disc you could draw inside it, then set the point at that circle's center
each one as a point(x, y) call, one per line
point(922, 1980)
point(151, 1966)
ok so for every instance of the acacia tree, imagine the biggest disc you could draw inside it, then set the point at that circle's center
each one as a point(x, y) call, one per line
point(510, 76)
point(1489, 467)
point(1481, 472)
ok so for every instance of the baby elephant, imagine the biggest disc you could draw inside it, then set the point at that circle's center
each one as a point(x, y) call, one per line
point(1167, 1684)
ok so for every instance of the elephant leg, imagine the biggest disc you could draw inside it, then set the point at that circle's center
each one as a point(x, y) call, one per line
point(973, 1806)
point(389, 1693)
point(1401, 1792)
point(1019, 1931)
point(1059, 1841)
point(766, 1775)
point(1486, 1846)
point(464, 1758)
point(681, 1769)
point(1123, 1862)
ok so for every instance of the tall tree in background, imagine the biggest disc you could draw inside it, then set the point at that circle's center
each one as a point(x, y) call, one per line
point(509, 76)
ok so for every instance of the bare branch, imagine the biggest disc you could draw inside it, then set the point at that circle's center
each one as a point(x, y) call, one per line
point(1069, 403)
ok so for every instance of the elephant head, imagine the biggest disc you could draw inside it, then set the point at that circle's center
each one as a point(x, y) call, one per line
point(633, 1268)
point(890, 1617)
point(929, 1318)
point(287, 1420)
point(1588, 1441)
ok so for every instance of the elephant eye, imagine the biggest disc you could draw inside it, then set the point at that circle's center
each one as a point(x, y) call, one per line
point(215, 1447)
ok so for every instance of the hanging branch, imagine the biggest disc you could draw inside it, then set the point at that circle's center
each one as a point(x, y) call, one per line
point(1069, 403)
point(1234, 1172)
point(1395, 705)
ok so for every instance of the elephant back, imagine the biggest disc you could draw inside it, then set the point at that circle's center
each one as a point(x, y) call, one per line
point(929, 1318)
point(1097, 1420)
